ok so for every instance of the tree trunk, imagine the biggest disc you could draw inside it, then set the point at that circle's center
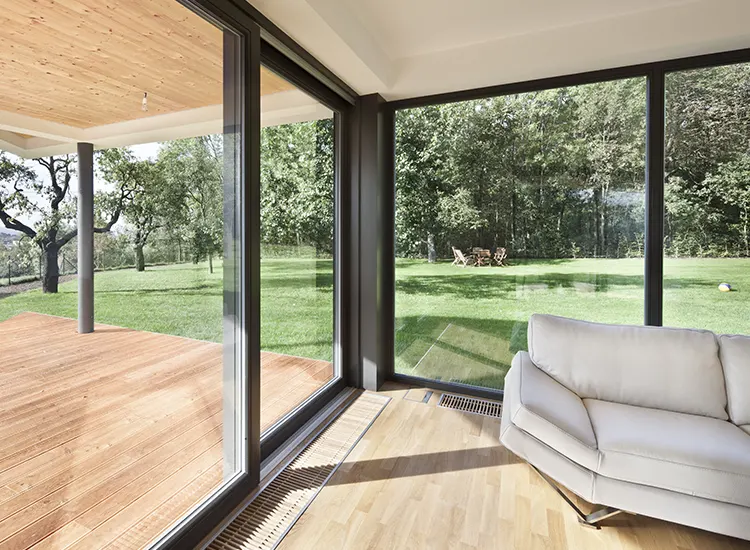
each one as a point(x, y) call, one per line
point(50, 269)
point(210, 262)
point(431, 252)
point(603, 219)
point(513, 223)
point(140, 261)
point(597, 225)
point(746, 237)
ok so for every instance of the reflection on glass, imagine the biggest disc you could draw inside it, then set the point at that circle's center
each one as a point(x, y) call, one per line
point(509, 206)
point(707, 199)
point(297, 247)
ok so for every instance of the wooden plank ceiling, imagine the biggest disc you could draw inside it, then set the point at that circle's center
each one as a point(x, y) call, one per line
point(86, 63)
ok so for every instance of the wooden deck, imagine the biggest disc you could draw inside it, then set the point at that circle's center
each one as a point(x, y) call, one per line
point(108, 438)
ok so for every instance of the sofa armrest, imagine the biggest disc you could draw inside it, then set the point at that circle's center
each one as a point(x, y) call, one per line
point(550, 412)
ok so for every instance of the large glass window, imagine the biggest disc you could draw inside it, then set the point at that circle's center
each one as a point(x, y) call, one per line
point(514, 205)
point(109, 438)
point(707, 199)
point(297, 248)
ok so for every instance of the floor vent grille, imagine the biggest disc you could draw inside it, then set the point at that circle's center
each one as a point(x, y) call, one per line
point(471, 405)
point(268, 518)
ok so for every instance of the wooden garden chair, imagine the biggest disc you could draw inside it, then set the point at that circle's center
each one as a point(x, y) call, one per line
point(481, 255)
point(459, 258)
point(500, 257)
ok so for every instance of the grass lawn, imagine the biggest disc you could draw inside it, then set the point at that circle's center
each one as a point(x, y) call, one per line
point(186, 300)
point(452, 323)
point(465, 324)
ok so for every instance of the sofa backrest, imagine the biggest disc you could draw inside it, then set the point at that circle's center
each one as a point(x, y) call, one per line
point(661, 368)
point(735, 358)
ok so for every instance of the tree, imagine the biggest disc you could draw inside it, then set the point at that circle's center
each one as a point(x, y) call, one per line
point(708, 127)
point(153, 204)
point(297, 184)
point(553, 173)
point(730, 186)
point(457, 213)
point(50, 203)
point(420, 165)
point(611, 130)
point(193, 168)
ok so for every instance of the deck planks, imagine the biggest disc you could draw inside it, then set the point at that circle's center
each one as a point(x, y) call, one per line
point(107, 439)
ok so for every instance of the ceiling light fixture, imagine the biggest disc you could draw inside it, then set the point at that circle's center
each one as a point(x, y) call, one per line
point(144, 103)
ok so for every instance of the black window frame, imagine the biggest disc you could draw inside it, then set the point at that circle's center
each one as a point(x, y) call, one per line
point(655, 75)
point(278, 62)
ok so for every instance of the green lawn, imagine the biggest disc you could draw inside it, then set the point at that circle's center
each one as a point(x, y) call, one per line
point(452, 323)
point(185, 300)
point(465, 324)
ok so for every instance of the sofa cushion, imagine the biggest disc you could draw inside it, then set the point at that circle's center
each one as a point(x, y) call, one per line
point(671, 369)
point(746, 429)
point(549, 411)
point(690, 454)
point(735, 358)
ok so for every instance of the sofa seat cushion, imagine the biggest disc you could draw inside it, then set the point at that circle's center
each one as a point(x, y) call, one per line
point(690, 454)
point(550, 412)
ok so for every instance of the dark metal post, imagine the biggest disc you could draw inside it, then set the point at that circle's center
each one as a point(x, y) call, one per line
point(388, 219)
point(351, 243)
point(85, 238)
point(654, 242)
point(373, 127)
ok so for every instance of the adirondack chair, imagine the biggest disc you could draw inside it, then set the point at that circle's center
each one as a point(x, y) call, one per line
point(459, 258)
point(500, 257)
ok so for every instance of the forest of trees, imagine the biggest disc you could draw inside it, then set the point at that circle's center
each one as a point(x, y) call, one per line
point(171, 207)
point(560, 173)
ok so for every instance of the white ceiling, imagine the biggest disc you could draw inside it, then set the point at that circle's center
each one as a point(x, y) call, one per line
point(409, 28)
point(406, 48)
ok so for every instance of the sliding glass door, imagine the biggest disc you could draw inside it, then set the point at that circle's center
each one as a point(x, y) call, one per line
point(277, 255)
point(135, 433)
point(298, 248)
point(210, 169)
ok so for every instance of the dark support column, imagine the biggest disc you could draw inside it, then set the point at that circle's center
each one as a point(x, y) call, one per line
point(654, 245)
point(387, 162)
point(347, 245)
point(85, 238)
point(373, 136)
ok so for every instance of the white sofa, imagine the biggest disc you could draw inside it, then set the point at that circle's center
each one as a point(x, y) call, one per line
point(653, 421)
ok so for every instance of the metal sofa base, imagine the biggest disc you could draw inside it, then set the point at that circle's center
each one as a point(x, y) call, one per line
point(587, 520)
